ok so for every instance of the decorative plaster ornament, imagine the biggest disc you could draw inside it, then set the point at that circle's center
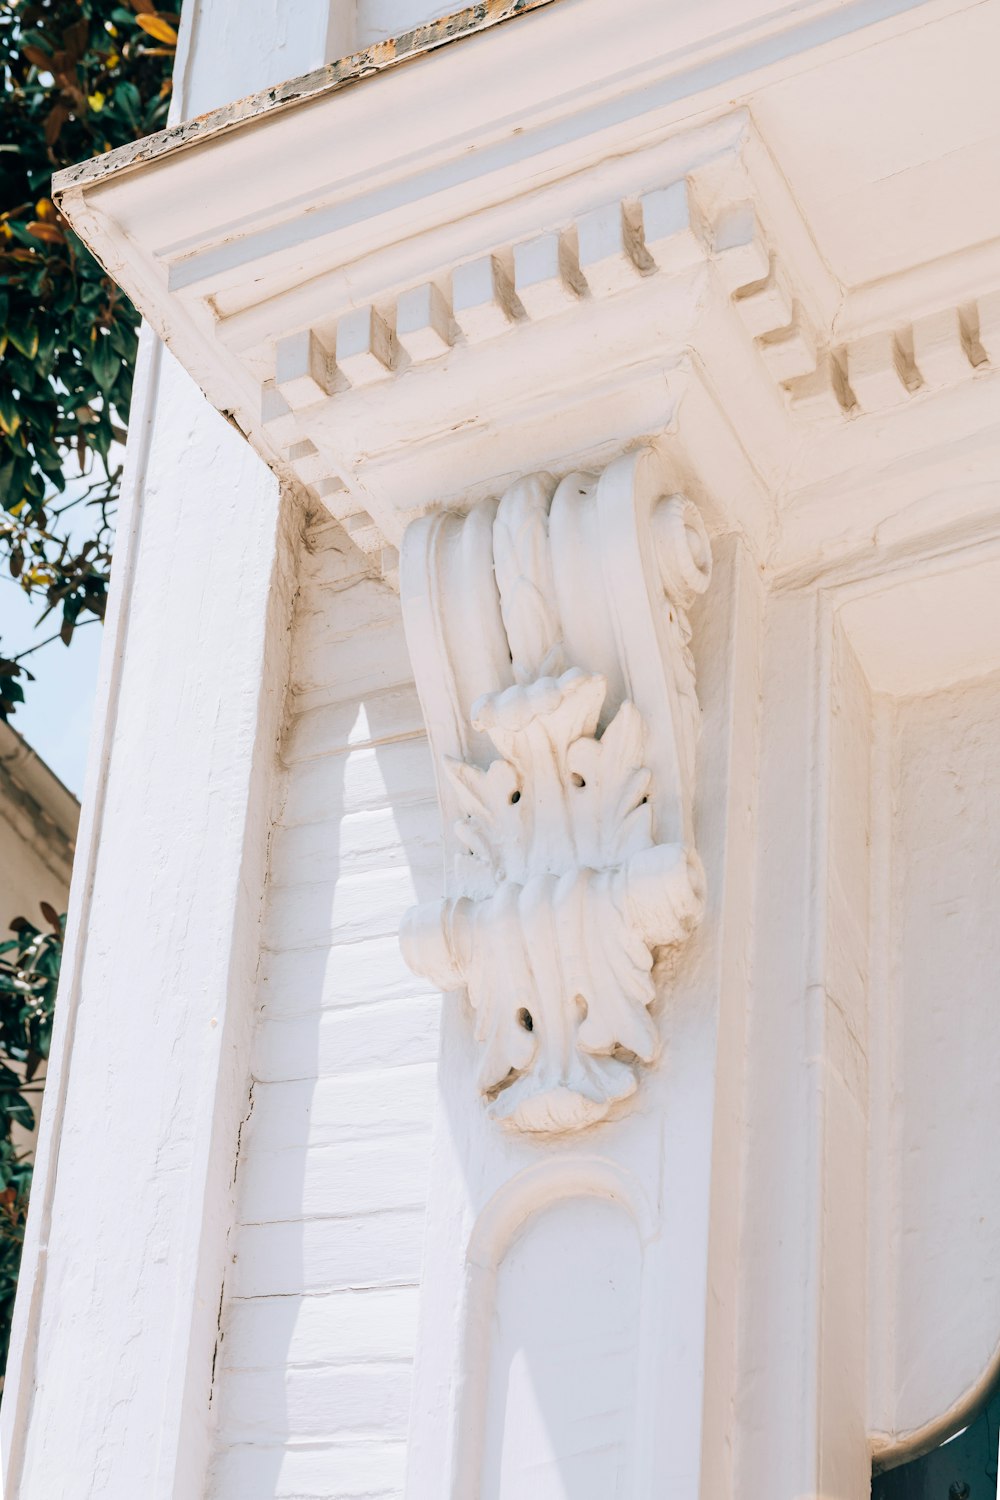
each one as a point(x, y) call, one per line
point(569, 779)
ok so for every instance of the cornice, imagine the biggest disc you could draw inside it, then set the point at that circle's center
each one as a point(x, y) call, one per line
point(568, 253)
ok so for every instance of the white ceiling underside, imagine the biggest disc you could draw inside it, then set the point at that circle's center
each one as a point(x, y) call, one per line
point(893, 152)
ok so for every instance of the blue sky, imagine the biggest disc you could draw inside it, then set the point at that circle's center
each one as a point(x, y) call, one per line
point(56, 715)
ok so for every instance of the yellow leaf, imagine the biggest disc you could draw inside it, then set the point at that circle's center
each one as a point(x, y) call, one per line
point(46, 209)
point(157, 27)
point(50, 233)
point(16, 510)
point(96, 101)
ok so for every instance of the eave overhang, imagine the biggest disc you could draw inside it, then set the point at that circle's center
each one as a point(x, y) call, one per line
point(517, 222)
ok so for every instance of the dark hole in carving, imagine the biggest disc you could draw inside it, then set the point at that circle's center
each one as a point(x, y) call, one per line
point(524, 1019)
point(577, 779)
point(515, 796)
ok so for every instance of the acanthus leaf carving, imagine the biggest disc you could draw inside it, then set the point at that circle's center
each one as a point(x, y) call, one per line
point(564, 886)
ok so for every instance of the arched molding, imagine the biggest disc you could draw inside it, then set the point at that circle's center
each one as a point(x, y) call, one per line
point(506, 1215)
point(548, 1182)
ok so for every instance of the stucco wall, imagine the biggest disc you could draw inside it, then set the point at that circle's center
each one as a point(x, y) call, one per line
point(319, 1322)
point(939, 952)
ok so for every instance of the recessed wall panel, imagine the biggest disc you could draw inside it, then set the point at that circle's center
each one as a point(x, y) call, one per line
point(561, 1411)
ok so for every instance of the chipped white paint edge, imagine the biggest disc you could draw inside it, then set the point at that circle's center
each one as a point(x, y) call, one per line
point(576, 863)
point(329, 79)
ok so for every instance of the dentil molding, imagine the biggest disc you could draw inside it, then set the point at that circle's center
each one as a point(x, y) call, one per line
point(549, 635)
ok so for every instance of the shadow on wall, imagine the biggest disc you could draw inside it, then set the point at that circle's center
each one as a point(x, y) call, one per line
point(320, 1314)
point(562, 1379)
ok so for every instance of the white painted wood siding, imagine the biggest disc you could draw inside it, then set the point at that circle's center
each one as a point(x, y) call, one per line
point(318, 1329)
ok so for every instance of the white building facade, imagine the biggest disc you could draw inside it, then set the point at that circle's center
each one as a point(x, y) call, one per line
point(38, 823)
point(540, 864)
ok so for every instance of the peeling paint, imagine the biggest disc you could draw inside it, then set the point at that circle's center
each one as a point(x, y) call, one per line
point(312, 86)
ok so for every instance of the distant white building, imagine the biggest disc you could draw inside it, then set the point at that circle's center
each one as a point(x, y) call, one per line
point(535, 935)
point(38, 822)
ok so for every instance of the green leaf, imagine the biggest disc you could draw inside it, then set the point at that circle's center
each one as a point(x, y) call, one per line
point(24, 337)
point(10, 417)
point(129, 101)
point(105, 363)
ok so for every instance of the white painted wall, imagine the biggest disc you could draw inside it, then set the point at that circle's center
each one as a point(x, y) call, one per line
point(313, 1370)
point(564, 1357)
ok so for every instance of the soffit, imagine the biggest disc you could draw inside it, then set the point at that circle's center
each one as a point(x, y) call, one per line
point(925, 629)
point(893, 152)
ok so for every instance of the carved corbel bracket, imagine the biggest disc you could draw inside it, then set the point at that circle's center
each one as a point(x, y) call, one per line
point(550, 641)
